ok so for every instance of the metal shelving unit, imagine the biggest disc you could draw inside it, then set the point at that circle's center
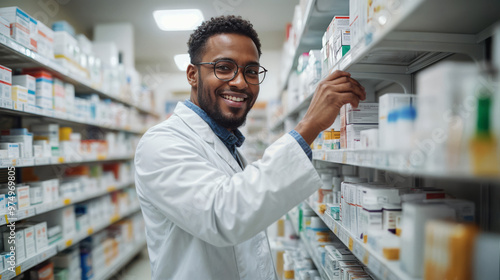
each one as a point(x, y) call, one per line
point(378, 265)
point(14, 55)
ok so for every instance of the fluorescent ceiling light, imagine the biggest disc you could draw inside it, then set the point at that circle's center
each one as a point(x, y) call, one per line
point(182, 61)
point(178, 20)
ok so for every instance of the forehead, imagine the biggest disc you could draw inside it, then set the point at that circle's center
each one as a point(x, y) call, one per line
point(235, 46)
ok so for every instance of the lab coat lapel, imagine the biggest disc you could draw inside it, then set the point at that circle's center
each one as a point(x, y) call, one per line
point(224, 153)
point(200, 127)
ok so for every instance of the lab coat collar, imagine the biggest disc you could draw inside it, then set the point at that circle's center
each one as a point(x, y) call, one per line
point(200, 127)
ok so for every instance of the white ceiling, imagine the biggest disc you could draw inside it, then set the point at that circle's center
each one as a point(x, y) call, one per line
point(156, 47)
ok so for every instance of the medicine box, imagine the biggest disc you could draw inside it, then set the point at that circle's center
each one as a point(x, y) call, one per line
point(45, 41)
point(4, 27)
point(369, 139)
point(23, 196)
point(365, 113)
point(36, 195)
point(12, 149)
point(33, 24)
point(40, 234)
point(26, 150)
point(17, 242)
point(388, 103)
point(5, 87)
point(29, 239)
point(19, 97)
point(19, 24)
point(353, 133)
point(29, 82)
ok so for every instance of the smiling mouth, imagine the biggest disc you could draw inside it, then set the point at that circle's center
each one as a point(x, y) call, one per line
point(233, 98)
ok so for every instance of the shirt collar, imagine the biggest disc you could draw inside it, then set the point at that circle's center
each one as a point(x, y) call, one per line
point(229, 139)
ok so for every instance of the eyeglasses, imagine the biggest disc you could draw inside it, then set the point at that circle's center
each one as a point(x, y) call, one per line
point(226, 70)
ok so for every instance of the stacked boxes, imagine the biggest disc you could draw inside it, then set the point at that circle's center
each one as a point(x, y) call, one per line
point(19, 24)
point(341, 37)
point(43, 92)
point(28, 82)
point(354, 120)
point(5, 87)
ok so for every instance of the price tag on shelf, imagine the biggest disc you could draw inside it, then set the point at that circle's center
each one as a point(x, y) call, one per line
point(351, 243)
point(114, 219)
point(90, 231)
point(366, 257)
point(336, 229)
point(18, 270)
point(67, 201)
point(3, 40)
point(111, 188)
point(68, 242)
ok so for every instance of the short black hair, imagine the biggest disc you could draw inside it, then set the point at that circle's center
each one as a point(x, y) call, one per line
point(219, 25)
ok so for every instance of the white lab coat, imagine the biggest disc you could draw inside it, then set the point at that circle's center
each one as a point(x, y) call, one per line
point(205, 216)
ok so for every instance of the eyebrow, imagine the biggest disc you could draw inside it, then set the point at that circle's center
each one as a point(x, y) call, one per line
point(228, 58)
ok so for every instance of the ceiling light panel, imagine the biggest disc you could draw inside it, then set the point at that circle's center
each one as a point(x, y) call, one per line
point(178, 20)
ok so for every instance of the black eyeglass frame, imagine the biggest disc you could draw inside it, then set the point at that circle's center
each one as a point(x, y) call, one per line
point(236, 72)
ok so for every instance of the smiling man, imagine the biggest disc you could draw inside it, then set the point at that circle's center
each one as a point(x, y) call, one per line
point(206, 209)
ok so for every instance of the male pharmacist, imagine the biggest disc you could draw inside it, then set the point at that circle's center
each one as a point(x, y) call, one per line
point(206, 209)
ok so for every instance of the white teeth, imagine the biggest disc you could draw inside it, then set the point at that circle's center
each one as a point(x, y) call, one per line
point(232, 98)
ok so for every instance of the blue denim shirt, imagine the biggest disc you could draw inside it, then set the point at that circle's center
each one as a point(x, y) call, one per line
point(236, 139)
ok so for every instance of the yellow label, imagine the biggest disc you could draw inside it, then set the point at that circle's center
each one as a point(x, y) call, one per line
point(14, 162)
point(336, 230)
point(69, 242)
point(6, 219)
point(350, 243)
point(115, 219)
point(101, 157)
point(67, 201)
point(90, 231)
point(111, 188)
point(344, 157)
point(365, 258)
point(60, 159)
point(18, 270)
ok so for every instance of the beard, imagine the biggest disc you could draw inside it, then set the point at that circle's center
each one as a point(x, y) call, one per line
point(213, 110)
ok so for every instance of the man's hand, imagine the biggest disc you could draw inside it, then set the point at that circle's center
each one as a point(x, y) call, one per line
point(332, 93)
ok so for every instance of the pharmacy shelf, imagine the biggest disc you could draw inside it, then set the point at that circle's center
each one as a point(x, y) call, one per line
point(121, 261)
point(317, 17)
point(396, 162)
point(62, 119)
point(416, 37)
point(68, 242)
point(14, 55)
point(28, 263)
point(47, 207)
point(31, 162)
point(374, 261)
point(307, 244)
point(420, 35)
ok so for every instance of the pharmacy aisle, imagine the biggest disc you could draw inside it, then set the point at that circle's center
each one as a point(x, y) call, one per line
point(70, 118)
point(410, 177)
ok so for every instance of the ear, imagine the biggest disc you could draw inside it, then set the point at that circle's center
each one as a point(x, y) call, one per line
point(192, 75)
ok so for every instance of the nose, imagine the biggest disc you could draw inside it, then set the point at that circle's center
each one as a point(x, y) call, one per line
point(239, 80)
